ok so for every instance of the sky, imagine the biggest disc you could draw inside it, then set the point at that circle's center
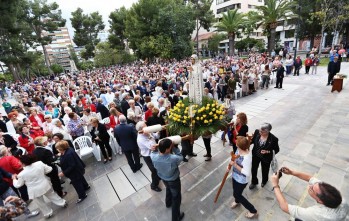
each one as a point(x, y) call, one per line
point(104, 7)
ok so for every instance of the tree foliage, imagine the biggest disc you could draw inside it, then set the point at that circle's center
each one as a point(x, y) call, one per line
point(213, 42)
point(160, 28)
point(268, 15)
point(117, 28)
point(249, 43)
point(232, 23)
point(57, 69)
point(87, 27)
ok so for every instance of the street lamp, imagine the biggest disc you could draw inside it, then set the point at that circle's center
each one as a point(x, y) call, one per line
point(297, 29)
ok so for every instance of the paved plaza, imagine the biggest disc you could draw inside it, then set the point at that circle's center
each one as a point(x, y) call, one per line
point(312, 125)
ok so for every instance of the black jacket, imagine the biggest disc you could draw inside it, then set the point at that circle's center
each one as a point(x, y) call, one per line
point(280, 72)
point(9, 142)
point(124, 107)
point(44, 156)
point(103, 110)
point(102, 133)
point(272, 143)
point(333, 67)
point(71, 165)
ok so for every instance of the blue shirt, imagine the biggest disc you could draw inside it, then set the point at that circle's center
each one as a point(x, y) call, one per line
point(167, 164)
point(245, 162)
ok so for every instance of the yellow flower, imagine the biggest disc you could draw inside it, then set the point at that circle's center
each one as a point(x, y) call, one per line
point(185, 111)
point(182, 105)
point(201, 118)
point(185, 117)
point(205, 121)
point(210, 120)
point(197, 118)
point(204, 115)
point(221, 117)
point(215, 117)
point(193, 121)
point(212, 105)
point(210, 113)
point(214, 109)
point(207, 108)
point(183, 121)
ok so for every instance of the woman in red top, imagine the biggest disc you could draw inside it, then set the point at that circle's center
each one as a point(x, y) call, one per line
point(33, 127)
point(36, 118)
point(149, 112)
point(308, 63)
point(26, 139)
point(240, 128)
point(9, 163)
point(115, 113)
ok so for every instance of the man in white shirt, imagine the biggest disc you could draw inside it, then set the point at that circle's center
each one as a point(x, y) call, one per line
point(330, 205)
point(145, 143)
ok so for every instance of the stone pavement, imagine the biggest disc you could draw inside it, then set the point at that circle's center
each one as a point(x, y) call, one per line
point(310, 122)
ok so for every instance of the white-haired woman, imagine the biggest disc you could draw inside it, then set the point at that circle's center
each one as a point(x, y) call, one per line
point(58, 127)
point(264, 143)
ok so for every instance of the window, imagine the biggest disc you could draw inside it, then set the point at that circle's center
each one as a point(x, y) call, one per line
point(227, 8)
point(260, 0)
point(238, 5)
point(289, 33)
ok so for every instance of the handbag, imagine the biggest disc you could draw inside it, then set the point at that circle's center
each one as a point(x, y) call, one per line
point(274, 164)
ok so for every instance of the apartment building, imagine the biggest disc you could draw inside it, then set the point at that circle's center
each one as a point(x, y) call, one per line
point(58, 50)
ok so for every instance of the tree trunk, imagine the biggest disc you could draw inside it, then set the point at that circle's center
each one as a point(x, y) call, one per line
point(312, 39)
point(321, 39)
point(2, 69)
point(13, 71)
point(47, 60)
point(272, 40)
point(231, 44)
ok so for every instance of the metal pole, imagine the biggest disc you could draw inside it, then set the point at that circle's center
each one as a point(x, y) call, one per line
point(197, 37)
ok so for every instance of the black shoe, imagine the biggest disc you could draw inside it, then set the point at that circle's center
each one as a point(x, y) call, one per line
point(207, 155)
point(327, 84)
point(275, 87)
point(82, 199)
point(140, 166)
point(105, 161)
point(88, 188)
point(185, 159)
point(181, 216)
point(192, 155)
point(168, 205)
point(156, 189)
point(208, 159)
point(252, 186)
point(263, 184)
point(65, 205)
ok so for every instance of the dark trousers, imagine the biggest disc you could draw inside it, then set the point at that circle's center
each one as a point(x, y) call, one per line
point(279, 82)
point(265, 170)
point(238, 188)
point(155, 179)
point(297, 219)
point(22, 192)
point(187, 148)
point(288, 70)
point(174, 197)
point(296, 71)
point(265, 81)
point(133, 159)
point(80, 185)
point(307, 68)
point(105, 145)
point(330, 78)
point(56, 183)
point(207, 143)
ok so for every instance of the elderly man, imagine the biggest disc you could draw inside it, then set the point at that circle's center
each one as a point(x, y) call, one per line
point(330, 205)
point(146, 144)
point(126, 136)
point(333, 68)
point(279, 75)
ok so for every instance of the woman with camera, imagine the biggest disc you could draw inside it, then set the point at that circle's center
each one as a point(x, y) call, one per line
point(101, 136)
point(264, 143)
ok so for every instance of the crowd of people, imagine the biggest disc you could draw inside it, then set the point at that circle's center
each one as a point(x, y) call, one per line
point(42, 118)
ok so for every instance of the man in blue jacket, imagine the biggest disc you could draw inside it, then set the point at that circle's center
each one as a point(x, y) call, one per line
point(126, 136)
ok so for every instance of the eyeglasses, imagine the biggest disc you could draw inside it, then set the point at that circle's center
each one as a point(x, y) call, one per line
point(311, 189)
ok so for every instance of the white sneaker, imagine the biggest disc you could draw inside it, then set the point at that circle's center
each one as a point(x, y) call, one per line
point(33, 213)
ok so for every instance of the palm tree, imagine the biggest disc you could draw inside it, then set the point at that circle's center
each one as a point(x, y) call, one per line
point(268, 15)
point(232, 23)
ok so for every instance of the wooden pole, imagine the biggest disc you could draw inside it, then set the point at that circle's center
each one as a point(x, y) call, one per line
point(233, 157)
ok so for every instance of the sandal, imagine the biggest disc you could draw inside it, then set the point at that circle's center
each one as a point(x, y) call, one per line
point(250, 215)
point(234, 205)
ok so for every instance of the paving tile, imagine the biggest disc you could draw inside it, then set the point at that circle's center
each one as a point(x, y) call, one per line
point(121, 184)
point(105, 193)
point(138, 180)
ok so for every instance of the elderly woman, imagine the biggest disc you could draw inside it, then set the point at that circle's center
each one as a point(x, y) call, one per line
point(26, 139)
point(14, 123)
point(34, 177)
point(101, 136)
point(73, 168)
point(134, 113)
point(54, 112)
point(239, 128)
point(149, 112)
point(33, 127)
point(75, 126)
point(48, 124)
point(264, 143)
point(35, 118)
point(58, 127)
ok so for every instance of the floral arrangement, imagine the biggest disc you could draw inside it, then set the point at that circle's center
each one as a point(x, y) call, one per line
point(340, 76)
point(199, 120)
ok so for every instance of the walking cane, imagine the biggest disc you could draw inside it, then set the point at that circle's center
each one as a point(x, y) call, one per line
point(233, 157)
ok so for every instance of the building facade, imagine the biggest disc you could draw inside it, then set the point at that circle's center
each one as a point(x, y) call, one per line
point(58, 50)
